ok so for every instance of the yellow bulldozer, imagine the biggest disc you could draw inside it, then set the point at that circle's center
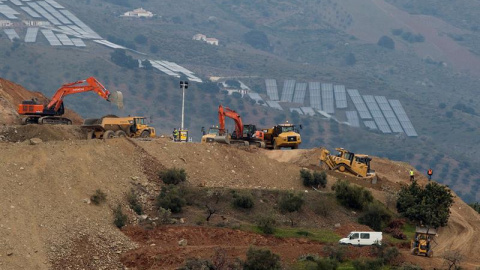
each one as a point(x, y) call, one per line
point(282, 135)
point(112, 126)
point(422, 244)
point(348, 162)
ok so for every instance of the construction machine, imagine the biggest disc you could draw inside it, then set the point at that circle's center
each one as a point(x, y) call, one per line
point(36, 113)
point(112, 126)
point(243, 134)
point(422, 244)
point(209, 137)
point(349, 162)
point(282, 135)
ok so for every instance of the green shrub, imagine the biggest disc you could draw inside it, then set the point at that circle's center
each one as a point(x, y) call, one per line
point(197, 264)
point(367, 264)
point(327, 264)
point(99, 197)
point(120, 219)
point(336, 252)
point(134, 203)
point(244, 201)
point(173, 176)
point(313, 180)
point(307, 177)
point(261, 259)
point(376, 217)
point(352, 196)
point(171, 198)
point(266, 225)
point(320, 178)
point(291, 202)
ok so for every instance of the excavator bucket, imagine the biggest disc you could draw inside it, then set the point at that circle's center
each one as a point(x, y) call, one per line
point(117, 98)
point(222, 139)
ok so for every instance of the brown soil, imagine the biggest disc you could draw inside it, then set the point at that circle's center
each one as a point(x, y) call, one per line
point(160, 248)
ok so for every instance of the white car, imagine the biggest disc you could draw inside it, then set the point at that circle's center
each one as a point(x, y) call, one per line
point(362, 239)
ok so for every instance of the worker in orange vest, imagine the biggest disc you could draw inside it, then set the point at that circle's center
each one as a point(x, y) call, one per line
point(430, 172)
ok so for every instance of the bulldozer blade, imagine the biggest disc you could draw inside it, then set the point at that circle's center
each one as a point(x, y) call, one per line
point(222, 139)
point(117, 98)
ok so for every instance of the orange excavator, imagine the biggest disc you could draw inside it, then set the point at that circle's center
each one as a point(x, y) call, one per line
point(243, 134)
point(51, 113)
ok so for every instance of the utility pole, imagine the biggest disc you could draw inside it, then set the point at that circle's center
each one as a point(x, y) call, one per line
point(183, 85)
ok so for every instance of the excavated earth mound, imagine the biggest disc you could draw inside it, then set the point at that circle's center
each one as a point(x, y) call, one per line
point(11, 95)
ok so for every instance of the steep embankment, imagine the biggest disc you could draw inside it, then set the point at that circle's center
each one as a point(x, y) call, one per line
point(12, 94)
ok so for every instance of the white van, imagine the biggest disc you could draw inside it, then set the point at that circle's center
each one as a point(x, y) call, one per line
point(362, 239)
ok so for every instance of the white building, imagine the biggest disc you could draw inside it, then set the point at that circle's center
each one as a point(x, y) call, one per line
point(139, 12)
point(202, 37)
point(212, 41)
point(36, 23)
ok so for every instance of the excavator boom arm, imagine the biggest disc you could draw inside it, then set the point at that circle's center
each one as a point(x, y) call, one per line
point(222, 112)
point(90, 84)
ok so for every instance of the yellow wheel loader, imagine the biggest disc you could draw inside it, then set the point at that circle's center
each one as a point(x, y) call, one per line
point(112, 126)
point(423, 241)
point(348, 162)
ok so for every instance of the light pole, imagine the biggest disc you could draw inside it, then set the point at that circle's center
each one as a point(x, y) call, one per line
point(183, 85)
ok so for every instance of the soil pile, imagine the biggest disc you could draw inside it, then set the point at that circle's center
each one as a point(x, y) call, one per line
point(11, 95)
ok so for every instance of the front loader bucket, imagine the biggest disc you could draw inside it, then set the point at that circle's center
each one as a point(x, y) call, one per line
point(117, 98)
point(222, 139)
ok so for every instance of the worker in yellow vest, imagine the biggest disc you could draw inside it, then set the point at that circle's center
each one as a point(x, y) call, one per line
point(412, 175)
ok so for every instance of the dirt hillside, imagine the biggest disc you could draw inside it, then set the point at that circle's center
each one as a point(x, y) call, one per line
point(464, 222)
point(12, 94)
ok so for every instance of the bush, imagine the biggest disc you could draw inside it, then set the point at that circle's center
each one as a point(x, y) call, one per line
point(171, 198)
point(367, 264)
point(291, 202)
point(261, 259)
point(375, 217)
point(313, 180)
point(320, 178)
point(244, 201)
point(394, 228)
point(352, 196)
point(197, 264)
point(336, 252)
point(173, 176)
point(307, 178)
point(99, 197)
point(134, 203)
point(386, 42)
point(326, 264)
point(266, 225)
point(120, 219)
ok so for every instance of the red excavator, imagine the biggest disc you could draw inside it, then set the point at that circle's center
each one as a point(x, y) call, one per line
point(243, 134)
point(37, 113)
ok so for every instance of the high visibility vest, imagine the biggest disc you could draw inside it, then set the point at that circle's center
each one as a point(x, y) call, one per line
point(411, 172)
point(430, 172)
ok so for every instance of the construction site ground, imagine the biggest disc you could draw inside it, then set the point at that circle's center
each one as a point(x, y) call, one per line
point(48, 222)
